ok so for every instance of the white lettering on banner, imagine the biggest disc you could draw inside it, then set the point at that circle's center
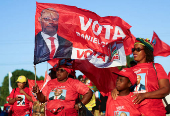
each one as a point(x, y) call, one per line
point(99, 29)
point(83, 26)
point(92, 39)
point(118, 32)
point(117, 58)
point(108, 27)
point(86, 53)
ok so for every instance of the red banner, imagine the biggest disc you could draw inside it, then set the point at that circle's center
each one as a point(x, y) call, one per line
point(160, 47)
point(83, 28)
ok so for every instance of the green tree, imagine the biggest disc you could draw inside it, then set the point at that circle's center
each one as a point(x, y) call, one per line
point(128, 60)
point(5, 85)
point(41, 78)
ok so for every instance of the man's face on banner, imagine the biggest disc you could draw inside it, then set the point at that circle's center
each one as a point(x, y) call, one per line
point(49, 22)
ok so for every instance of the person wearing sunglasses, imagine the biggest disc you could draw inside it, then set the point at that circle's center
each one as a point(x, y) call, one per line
point(155, 80)
point(71, 88)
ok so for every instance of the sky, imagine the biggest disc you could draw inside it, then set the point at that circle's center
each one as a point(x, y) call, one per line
point(18, 27)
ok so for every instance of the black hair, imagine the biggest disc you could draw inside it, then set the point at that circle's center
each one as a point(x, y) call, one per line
point(149, 54)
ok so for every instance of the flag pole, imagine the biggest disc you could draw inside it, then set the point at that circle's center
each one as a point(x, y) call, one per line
point(35, 74)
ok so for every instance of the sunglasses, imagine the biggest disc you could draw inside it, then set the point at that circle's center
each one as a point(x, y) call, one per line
point(137, 49)
point(60, 69)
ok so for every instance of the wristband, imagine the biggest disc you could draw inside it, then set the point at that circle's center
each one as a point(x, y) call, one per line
point(79, 105)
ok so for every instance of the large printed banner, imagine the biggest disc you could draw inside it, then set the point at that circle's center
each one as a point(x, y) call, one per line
point(63, 31)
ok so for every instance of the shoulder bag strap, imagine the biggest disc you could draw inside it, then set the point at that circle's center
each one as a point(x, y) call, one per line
point(157, 79)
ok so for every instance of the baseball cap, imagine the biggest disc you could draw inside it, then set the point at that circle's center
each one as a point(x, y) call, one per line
point(129, 73)
point(21, 79)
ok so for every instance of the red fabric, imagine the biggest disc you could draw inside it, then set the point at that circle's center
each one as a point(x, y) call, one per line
point(20, 110)
point(31, 84)
point(71, 88)
point(69, 70)
point(84, 76)
point(74, 21)
point(160, 47)
point(41, 84)
point(121, 104)
point(151, 107)
point(129, 44)
point(47, 77)
point(52, 47)
point(103, 78)
point(53, 62)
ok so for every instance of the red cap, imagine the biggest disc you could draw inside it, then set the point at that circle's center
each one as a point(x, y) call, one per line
point(129, 73)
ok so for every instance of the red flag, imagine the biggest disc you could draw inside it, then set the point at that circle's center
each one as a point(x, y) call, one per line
point(83, 28)
point(47, 78)
point(41, 84)
point(160, 47)
point(31, 83)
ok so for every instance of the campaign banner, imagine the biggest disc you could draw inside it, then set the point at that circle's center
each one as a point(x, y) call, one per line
point(63, 31)
point(116, 58)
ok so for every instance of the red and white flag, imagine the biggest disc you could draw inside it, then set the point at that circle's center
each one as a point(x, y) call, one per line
point(47, 78)
point(160, 47)
point(86, 35)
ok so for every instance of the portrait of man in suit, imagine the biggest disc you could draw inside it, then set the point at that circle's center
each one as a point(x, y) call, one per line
point(48, 44)
point(139, 86)
point(57, 95)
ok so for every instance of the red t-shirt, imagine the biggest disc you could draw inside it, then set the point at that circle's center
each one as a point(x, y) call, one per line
point(149, 78)
point(122, 104)
point(70, 90)
point(20, 108)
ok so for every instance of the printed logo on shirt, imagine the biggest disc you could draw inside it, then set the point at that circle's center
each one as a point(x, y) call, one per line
point(140, 86)
point(119, 108)
point(121, 113)
point(57, 94)
point(22, 102)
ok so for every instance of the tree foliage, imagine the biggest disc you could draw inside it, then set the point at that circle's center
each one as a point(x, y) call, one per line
point(128, 59)
point(4, 92)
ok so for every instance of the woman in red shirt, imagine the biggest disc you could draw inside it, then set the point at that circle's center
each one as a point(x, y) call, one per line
point(154, 78)
point(19, 98)
point(62, 93)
